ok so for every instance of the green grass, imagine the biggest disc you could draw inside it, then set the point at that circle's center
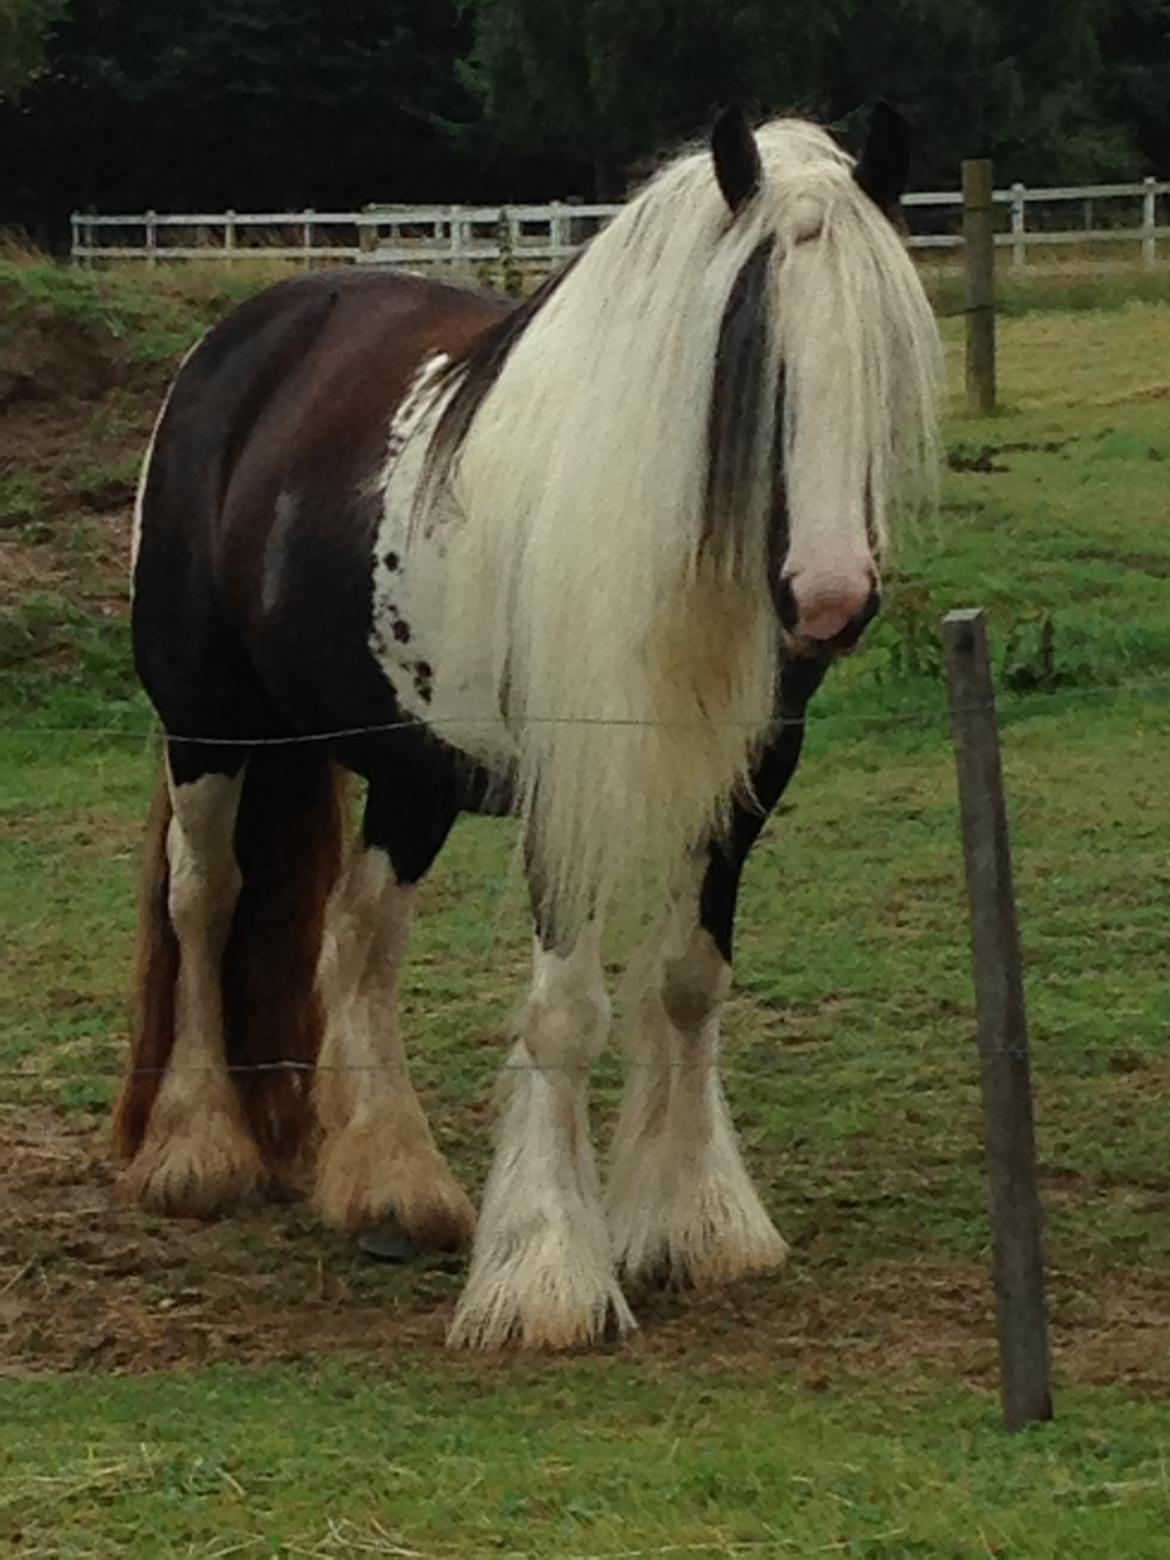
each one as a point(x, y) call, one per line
point(596, 1458)
point(850, 1070)
point(21, 503)
point(1072, 288)
point(66, 667)
point(156, 316)
point(109, 484)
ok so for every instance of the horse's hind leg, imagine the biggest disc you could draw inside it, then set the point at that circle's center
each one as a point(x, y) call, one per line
point(196, 1156)
point(378, 1163)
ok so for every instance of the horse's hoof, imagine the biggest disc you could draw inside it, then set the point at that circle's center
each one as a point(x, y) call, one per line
point(388, 1242)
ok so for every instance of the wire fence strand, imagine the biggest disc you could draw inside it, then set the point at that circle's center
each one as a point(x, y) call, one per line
point(310, 1069)
point(1007, 704)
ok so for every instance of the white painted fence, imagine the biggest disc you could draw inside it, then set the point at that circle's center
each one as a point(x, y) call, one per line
point(538, 237)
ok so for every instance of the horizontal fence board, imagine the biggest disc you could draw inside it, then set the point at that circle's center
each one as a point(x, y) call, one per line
point(227, 219)
point(228, 255)
point(388, 255)
point(1090, 192)
point(1006, 196)
point(541, 235)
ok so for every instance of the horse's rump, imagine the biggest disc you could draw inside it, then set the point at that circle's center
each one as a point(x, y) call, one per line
point(261, 502)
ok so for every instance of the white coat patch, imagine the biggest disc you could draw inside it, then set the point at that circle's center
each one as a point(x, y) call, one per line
point(276, 550)
point(411, 570)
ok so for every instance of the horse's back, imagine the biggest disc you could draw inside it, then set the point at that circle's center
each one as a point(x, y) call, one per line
point(260, 498)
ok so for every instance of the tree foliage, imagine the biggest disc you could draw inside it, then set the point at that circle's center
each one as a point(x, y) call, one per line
point(610, 79)
point(24, 29)
point(606, 82)
point(246, 103)
point(127, 104)
point(1135, 48)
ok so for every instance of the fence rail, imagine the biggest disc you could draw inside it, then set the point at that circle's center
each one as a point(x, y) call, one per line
point(539, 237)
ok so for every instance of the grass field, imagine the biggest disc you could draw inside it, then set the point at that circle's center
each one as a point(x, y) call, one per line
point(845, 1406)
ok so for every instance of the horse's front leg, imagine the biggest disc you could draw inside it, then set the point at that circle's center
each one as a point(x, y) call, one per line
point(680, 1202)
point(681, 1205)
point(542, 1272)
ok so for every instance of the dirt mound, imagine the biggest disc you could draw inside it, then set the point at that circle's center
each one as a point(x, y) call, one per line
point(47, 359)
point(76, 410)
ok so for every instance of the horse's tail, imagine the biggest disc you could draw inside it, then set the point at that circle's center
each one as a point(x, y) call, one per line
point(152, 1016)
point(288, 841)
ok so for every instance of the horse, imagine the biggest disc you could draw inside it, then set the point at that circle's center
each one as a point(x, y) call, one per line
point(583, 559)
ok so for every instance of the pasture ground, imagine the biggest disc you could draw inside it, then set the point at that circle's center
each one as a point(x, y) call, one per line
point(253, 1387)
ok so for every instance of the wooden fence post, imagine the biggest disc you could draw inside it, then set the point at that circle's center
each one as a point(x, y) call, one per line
point(151, 238)
point(1019, 225)
point(229, 234)
point(1012, 1196)
point(1150, 221)
point(558, 233)
point(307, 238)
point(979, 265)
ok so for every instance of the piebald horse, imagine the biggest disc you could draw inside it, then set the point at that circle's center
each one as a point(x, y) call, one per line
point(584, 560)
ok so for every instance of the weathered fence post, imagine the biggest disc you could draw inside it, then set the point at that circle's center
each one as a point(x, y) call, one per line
point(1019, 226)
point(151, 238)
point(1150, 221)
point(229, 234)
point(979, 265)
point(558, 233)
point(307, 237)
point(1012, 1196)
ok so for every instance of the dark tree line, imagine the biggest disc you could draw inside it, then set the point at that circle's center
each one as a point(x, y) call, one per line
point(279, 104)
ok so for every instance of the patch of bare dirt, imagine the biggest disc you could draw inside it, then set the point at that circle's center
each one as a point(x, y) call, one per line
point(75, 417)
point(90, 1283)
point(47, 359)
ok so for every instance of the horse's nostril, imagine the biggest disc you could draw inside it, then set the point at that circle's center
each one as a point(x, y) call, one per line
point(786, 607)
point(850, 635)
point(871, 609)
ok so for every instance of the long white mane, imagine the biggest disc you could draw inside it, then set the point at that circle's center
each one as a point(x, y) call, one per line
point(636, 648)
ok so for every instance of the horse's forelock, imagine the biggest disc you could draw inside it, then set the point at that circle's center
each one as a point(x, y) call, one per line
point(742, 410)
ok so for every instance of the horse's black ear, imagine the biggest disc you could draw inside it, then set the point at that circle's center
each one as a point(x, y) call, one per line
point(737, 158)
point(884, 164)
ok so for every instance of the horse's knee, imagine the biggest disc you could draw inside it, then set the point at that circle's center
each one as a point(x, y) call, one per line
point(566, 1017)
point(205, 877)
point(695, 984)
point(566, 1028)
point(202, 894)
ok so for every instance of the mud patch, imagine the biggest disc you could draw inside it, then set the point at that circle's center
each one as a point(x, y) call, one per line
point(983, 459)
point(89, 1283)
point(1155, 564)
